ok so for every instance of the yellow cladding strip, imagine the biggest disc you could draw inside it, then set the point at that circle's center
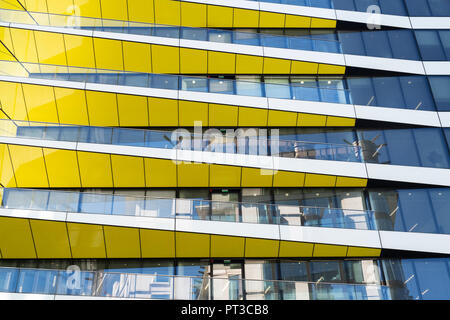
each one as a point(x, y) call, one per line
point(83, 107)
point(37, 167)
point(81, 51)
point(171, 12)
point(22, 238)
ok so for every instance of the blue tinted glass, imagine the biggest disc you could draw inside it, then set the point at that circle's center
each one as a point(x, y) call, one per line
point(430, 45)
point(402, 147)
point(433, 151)
point(441, 206)
point(416, 212)
point(445, 40)
point(159, 139)
point(249, 38)
point(247, 88)
point(164, 81)
point(96, 203)
point(377, 44)
point(167, 32)
point(417, 93)
point(300, 43)
point(107, 78)
point(352, 43)
point(388, 92)
point(8, 280)
point(194, 34)
point(433, 278)
point(274, 41)
point(221, 86)
point(136, 80)
point(403, 44)
point(301, 92)
point(128, 137)
point(37, 281)
point(194, 84)
point(441, 93)
point(100, 135)
point(362, 91)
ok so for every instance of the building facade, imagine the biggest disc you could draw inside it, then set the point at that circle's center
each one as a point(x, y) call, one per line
point(241, 149)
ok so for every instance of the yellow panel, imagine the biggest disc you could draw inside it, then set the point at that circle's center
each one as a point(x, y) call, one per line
point(191, 112)
point(7, 178)
point(163, 112)
point(165, 59)
point(252, 117)
point(29, 166)
point(192, 245)
point(193, 15)
point(331, 69)
point(128, 172)
point(221, 63)
point(282, 118)
point(80, 51)
point(160, 173)
point(108, 54)
point(36, 5)
point(157, 243)
point(340, 122)
point(319, 180)
point(227, 247)
point(114, 9)
point(225, 176)
point(252, 177)
point(141, 11)
point(12, 100)
point(220, 17)
point(350, 182)
point(193, 174)
point(300, 67)
point(261, 248)
point(363, 252)
point(122, 242)
point(16, 241)
point(276, 66)
point(311, 120)
point(51, 239)
point(244, 18)
point(222, 115)
point(50, 47)
point(296, 249)
point(167, 12)
point(137, 57)
point(322, 23)
point(10, 4)
point(297, 21)
point(62, 168)
point(102, 108)
point(24, 45)
point(249, 64)
point(133, 111)
point(40, 102)
point(86, 241)
point(60, 6)
point(5, 55)
point(326, 250)
point(88, 8)
point(193, 61)
point(271, 20)
point(95, 170)
point(288, 179)
point(71, 105)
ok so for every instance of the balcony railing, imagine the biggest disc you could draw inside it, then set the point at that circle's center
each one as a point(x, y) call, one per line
point(309, 43)
point(240, 142)
point(195, 209)
point(169, 287)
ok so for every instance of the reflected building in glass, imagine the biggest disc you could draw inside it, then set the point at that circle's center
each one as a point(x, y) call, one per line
point(197, 150)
